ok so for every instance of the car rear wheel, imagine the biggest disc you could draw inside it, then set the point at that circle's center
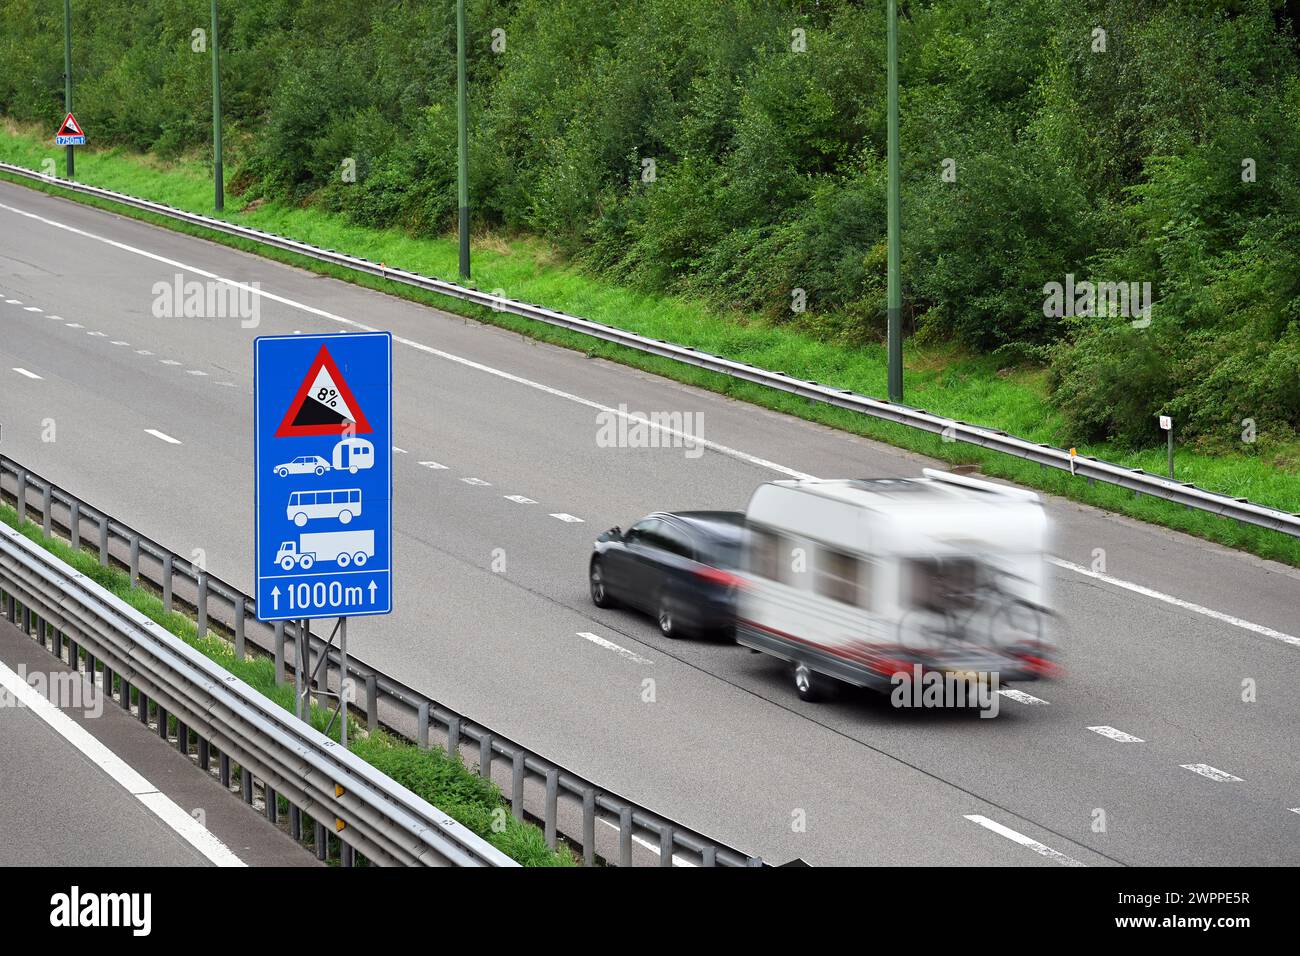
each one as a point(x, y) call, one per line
point(670, 623)
point(599, 590)
point(812, 686)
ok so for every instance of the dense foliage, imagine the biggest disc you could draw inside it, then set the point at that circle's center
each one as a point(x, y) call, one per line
point(1170, 157)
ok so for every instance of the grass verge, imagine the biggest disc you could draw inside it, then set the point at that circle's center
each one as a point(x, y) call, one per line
point(441, 779)
point(963, 387)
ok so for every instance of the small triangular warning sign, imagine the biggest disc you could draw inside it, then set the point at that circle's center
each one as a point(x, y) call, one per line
point(69, 127)
point(324, 405)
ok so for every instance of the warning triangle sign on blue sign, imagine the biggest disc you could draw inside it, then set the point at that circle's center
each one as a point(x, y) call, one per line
point(324, 405)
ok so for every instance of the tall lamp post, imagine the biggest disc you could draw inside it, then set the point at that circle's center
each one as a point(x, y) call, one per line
point(67, 71)
point(894, 303)
point(218, 178)
point(462, 147)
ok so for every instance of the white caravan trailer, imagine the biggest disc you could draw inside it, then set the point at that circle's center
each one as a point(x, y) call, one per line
point(859, 580)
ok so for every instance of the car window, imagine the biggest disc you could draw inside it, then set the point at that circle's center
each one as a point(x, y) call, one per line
point(674, 540)
point(637, 533)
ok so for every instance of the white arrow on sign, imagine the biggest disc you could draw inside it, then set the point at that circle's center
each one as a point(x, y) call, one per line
point(275, 598)
point(373, 588)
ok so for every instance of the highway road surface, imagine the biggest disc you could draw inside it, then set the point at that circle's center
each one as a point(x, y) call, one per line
point(1144, 753)
point(83, 783)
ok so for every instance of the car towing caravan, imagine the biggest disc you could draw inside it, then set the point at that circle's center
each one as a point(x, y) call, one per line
point(870, 582)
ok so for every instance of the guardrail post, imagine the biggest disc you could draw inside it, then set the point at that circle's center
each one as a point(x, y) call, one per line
point(517, 784)
point(74, 654)
point(135, 559)
point(125, 700)
point(345, 854)
point(162, 722)
point(168, 563)
point(74, 524)
point(295, 823)
point(27, 620)
point(588, 826)
point(453, 737)
point(20, 497)
point(47, 504)
point(143, 707)
point(223, 769)
point(239, 627)
point(625, 836)
point(322, 847)
point(182, 738)
point(103, 540)
point(108, 682)
point(279, 652)
point(372, 703)
point(552, 805)
point(665, 844)
point(205, 756)
point(422, 725)
point(485, 754)
point(202, 602)
point(272, 808)
point(246, 784)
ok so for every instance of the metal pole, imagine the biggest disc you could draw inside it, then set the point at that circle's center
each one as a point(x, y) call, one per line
point(1169, 433)
point(462, 151)
point(217, 175)
point(894, 304)
point(67, 72)
point(343, 681)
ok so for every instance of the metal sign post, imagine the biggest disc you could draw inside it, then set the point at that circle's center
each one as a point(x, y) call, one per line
point(1167, 424)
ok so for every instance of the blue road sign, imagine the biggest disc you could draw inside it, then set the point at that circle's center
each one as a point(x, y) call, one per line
point(323, 461)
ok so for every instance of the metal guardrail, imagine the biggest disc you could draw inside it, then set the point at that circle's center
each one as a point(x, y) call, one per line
point(564, 802)
point(383, 821)
point(1089, 468)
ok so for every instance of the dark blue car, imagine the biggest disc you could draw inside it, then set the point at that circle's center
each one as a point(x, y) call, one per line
point(676, 567)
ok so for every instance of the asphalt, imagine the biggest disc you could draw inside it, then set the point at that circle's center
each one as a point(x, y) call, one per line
point(725, 746)
point(60, 807)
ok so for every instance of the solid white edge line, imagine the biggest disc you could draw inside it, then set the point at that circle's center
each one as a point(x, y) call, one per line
point(162, 806)
point(1054, 855)
point(558, 393)
point(24, 372)
point(1178, 602)
point(162, 435)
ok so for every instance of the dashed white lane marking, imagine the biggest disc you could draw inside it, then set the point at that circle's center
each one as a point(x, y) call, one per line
point(570, 519)
point(599, 641)
point(519, 499)
point(1179, 602)
point(13, 302)
point(433, 465)
point(1114, 734)
point(168, 362)
point(1295, 809)
point(75, 325)
point(119, 342)
point(1213, 773)
point(32, 308)
point(143, 352)
point(185, 826)
point(97, 335)
point(227, 385)
point(56, 318)
point(678, 860)
point(1021, 697)
point(157, 434)
point(1053, 855)
point(477, 481)
point(195, 371)
point(400, 451)
point(569, 396)
point(23, 371)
